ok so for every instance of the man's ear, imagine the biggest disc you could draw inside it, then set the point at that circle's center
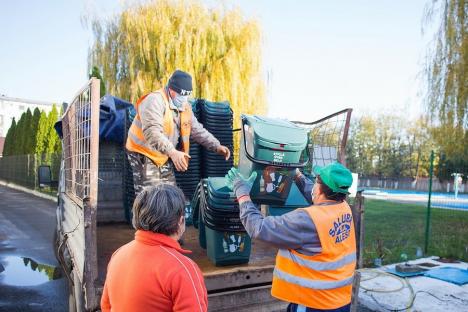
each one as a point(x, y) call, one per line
point(318, 189)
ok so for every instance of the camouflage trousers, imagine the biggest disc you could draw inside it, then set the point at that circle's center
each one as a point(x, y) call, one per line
point(146, 173)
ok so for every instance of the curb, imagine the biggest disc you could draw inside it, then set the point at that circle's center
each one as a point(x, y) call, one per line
point(29, 191)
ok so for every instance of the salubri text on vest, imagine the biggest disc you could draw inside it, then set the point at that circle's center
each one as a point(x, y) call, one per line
point(341, 227)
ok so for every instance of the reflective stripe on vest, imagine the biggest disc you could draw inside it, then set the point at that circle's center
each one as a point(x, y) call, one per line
point(321, 281)
point(314, 284)
point(318, 265)
point(136, 141)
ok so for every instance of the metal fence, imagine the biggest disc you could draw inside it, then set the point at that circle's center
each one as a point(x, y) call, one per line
point(419, 184)
point(410, 223)
point(327, 139)
point(22, 169)
point(80, 144)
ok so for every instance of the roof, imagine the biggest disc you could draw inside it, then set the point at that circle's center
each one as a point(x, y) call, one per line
point(25, 101)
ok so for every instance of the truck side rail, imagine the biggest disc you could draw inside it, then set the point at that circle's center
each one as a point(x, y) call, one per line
point(80, 142)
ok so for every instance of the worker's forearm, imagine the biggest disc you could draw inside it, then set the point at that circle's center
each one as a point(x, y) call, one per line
point(287, 231)
point(305, 185)
point(200, 135)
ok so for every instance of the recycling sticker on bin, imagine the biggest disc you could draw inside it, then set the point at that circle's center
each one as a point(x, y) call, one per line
point(275, 181)
point(233, 243)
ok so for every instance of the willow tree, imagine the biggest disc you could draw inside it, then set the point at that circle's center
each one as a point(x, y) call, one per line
point(138, 50)
point(447, 81)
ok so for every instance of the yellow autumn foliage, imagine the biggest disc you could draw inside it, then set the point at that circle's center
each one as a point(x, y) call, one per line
point(138, 50)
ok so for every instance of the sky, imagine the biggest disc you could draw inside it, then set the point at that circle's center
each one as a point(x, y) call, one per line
point(321, 56)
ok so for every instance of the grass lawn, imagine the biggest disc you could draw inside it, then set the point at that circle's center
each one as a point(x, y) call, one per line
point(392, 229)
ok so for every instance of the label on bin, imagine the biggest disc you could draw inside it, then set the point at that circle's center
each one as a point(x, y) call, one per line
point(278, 157)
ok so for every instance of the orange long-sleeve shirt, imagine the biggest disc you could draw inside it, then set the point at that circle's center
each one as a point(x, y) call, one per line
point(151, 274)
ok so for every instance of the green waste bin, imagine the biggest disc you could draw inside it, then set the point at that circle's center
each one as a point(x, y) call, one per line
point(201, 234)
point(221, 232)
point(196, 213)
point(295, 200)
point(273, 148)
point(227, 248)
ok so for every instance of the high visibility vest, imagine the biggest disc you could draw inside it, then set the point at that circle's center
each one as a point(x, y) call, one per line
point(136, 141)
point(322, 281)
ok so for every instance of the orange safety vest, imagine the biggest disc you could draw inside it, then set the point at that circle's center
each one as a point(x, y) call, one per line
point(136, 141)
point(322, 281)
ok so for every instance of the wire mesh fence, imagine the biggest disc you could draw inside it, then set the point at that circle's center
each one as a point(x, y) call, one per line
point(447, 218)
point(411, 219)
point(76, 127)
point(22, 170)
point(327, 139)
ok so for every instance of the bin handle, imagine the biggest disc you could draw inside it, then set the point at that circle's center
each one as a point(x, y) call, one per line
point(267, 163)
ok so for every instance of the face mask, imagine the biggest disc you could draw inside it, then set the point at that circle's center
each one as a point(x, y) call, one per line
point(313, 191)
point(179, 100)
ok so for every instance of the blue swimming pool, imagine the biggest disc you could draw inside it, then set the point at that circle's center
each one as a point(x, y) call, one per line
point(438, 199)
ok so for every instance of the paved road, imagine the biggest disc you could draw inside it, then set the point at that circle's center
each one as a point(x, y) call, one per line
point(26, 232)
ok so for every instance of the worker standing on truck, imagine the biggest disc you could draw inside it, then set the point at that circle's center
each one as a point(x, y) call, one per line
point(158, 139)
point(151, 273)
point(317, 248)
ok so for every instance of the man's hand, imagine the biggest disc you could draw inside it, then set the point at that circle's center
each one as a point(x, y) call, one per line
point(223, 150)
point(180, 159)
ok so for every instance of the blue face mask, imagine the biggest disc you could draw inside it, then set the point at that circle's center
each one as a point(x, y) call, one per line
point(179, 100)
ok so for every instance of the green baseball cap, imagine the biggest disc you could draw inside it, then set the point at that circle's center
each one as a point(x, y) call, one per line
point(336, 176)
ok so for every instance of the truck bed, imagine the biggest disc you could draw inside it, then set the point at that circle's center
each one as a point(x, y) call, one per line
point(244, 287)
point(112, 236)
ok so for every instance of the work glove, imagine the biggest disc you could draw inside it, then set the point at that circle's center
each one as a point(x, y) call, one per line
point(238, 183)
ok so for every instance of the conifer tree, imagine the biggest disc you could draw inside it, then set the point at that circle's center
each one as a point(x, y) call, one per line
point(42, 134)
point(19, 140)
point(52, 137)
point(26, 133)
point(33, 130)
point(10, 139)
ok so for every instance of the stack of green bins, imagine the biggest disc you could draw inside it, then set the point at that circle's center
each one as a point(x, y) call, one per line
point(196, 212)
point(225, 238)
point(295, 200)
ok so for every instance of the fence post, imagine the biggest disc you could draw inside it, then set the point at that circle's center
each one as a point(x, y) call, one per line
point(428, 213)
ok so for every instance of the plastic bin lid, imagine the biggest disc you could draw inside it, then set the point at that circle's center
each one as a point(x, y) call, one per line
point(219, 105)
point(217, 186)
point(277, 131)
point(221, 203)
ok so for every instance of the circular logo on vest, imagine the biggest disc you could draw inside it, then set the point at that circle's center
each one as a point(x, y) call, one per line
point(341, 227)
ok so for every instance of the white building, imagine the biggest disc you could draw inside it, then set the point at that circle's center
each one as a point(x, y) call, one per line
point(14, 107)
